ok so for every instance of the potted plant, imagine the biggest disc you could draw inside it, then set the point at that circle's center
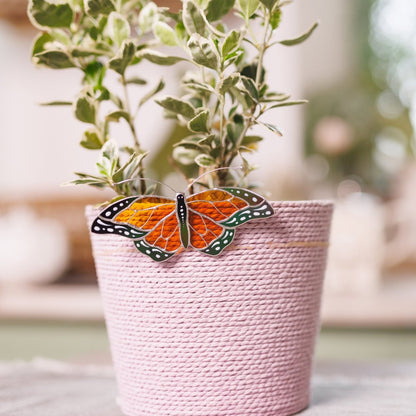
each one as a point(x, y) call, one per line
point(196, 333)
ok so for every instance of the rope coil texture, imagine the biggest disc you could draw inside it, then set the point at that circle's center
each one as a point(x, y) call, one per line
point(213, 336)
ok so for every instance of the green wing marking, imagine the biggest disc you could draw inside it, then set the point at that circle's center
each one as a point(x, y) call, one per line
point(251, 197)
point(258, 208)
point(102, 226)
point(246, 214)
point(154, 253)
point(220, 243)
point(112, 210)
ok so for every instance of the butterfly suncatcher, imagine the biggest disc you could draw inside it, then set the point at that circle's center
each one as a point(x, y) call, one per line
point(161, 227)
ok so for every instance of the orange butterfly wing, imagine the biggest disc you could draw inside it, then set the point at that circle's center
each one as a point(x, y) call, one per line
point(151, 221)
point(206, 210)
point(146, 213)
point(213, 215)
point(166, 234)
point(202, 230)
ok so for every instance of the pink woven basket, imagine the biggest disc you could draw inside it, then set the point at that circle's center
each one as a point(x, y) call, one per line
point(208, 336)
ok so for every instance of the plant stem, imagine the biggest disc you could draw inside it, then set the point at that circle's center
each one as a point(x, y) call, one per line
point(133, 132)
point(249, 121)
point(204, 101)
point(221, 175)
point(221, 98)
point(247, 125)
point(262, 47)
point(128, 110)
point(250, 30)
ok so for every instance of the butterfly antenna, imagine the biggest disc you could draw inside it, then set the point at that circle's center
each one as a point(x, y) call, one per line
point(146, 179)
point(212, 171)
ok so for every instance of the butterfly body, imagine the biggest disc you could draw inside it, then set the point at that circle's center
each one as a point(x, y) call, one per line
point(161, 227)
point(182, 214)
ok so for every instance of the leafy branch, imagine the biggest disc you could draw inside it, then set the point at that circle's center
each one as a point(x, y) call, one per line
point(98, 37)
point(228, 93)
point(225, 94)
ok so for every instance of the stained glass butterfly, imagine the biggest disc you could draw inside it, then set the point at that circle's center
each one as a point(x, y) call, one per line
point(161, 227)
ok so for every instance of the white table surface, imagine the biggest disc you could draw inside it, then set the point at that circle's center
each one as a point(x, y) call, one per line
point(48, 388)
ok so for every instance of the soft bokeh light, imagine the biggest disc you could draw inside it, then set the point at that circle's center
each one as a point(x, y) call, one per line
point(393, 39)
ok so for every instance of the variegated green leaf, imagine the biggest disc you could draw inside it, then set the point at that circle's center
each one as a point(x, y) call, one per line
point(159, 58)
point(55, 59)
point(288, 103)
point(99, 7)
point(228, 82)
point(116, 115)
point(44, 13)
point(56, 103)
point(177, 106)
point(250, 87)
point(85, 108)
point(40, 42)
point(123, 58)
point(203, 51)
point(148, 16)
point(271, 127)
point(216, 9)
point(199, 124)
point(193, 19)
point(269, 3)
point(248, 7)
point(242, 96)
point(300, 39)
point(185, 156)
point(165, 34)
point(118, 28)
point(231, 42)
point(108, 161)
point(136, 81)
point(275, 18)
point(198, 86)
point(91, 140)
point(205, 161)
point(250, 140)
point(235, 127)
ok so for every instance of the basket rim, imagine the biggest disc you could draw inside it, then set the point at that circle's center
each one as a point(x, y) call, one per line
point(282, 203)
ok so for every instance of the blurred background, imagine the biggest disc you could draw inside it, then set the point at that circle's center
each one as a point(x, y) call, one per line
point(354, 143)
